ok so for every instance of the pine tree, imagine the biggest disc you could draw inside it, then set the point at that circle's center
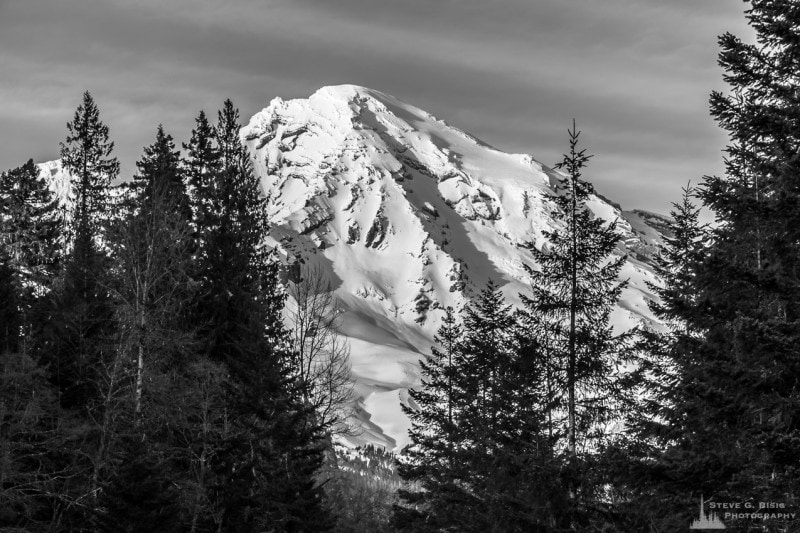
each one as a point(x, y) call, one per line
point(651, 423)
point(152, 248)
point(10, 316)
point(201, 166)
point(141, 495)
point(29, 222)
point(683, 248)
point(161, 177)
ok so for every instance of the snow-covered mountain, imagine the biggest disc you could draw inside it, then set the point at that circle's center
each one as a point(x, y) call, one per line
point(409, 215)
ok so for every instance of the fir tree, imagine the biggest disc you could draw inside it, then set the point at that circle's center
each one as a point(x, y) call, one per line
point(431, 460)
point(574, 288)
point(10, 316)
point(140, 496)
point(651, 423)
point(73, 341)
point(264, 474)
point(86, 155)
point(29, 222)
point(161, 177)
point(28, 236)
point(479, 455)
point(735, 400)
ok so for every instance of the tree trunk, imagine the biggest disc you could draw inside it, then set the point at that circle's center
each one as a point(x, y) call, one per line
point(140, 366)
point(572, 312)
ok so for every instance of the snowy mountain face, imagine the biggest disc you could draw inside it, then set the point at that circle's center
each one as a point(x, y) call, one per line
point(409, 215)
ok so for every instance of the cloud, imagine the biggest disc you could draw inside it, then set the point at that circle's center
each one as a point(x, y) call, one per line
point(635, 73)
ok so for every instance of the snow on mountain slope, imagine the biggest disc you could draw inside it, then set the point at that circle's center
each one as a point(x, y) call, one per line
point(409, 215)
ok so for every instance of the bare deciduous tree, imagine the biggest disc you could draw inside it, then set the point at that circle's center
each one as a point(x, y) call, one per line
point(321, 354)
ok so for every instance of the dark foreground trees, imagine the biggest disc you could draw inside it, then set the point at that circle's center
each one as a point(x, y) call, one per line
point(514, 410)
point(479, 458)
point(148, 387)
point(727, 427)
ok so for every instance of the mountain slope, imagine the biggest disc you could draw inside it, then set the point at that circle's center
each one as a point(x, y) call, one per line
point(409, 215)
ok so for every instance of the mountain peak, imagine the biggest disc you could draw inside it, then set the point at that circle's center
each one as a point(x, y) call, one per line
point(409, 215)
point(406, 216)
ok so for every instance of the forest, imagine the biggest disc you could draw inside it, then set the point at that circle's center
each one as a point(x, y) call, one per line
point(153, 376)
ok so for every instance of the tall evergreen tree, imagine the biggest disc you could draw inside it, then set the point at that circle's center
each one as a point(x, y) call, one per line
point(29, 225)
point(574, 288)
point(86, 155)
point(201, 167)
point(74, 339)
point(161, 178)
point(736, 398)
point(431, 461)
point(263, 476)
point(651, 427)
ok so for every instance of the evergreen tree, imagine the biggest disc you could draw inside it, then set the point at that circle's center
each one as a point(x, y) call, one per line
point(28, 236)
point(735, 400)
point(684, 245)
point(479, 455)
point(651, 423)
point(574, 288)
point(201, 167)
point(86, 155)
point(264, 475)
point(75, 338)
point(161, 178)
point(9, 308)
point(431, 461)
point(152, 248)
point(29, 222)
point(141, 495)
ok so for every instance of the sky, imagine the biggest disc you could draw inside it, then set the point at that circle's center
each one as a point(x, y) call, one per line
point(635, 74)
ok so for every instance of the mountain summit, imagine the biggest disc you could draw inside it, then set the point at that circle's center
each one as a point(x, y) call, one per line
point(408, 215)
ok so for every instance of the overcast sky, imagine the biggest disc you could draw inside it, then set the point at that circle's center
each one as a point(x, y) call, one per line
point(636, 74)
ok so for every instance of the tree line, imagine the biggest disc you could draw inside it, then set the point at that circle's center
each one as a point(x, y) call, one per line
point(148, 382)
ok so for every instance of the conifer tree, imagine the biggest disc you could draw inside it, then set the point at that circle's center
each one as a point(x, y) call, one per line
point(9, 308)
point(161, 177)
point(263, 475)
point(29, 222)
point(638, 465)
point(74, 339)
point(86, 155)
point(28, 236)
point(431, 460)
point(201, 166)
point(479, 453)
point(735, 400)
point(574, 288)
